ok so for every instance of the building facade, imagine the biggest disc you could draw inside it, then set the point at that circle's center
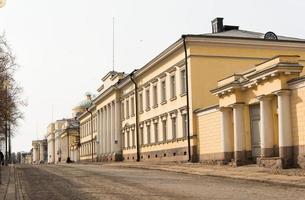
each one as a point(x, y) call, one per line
point(39, 154)
point(69, 135)
point(57, 131)
point(151, 114)
point(259, 116)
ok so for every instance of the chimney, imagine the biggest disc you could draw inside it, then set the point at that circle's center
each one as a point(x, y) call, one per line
point(217, 25)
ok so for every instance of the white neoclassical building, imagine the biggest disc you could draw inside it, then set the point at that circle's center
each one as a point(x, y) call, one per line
point(51, 142)
point(39, 151)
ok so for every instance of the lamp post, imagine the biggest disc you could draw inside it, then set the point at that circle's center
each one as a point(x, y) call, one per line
point(91, 133)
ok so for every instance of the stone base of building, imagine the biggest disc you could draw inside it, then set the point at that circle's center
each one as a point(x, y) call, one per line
point(271, 162)
point(294, 157)
point(113, 157)
point(301, 161)
point(223, 158)
point(216, 158)
point(173, 155)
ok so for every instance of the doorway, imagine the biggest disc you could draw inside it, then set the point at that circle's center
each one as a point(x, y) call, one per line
point(255, 130)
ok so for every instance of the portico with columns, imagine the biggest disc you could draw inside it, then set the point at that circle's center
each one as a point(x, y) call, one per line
point(105, 109)
point(108, 130)
point(255, 112)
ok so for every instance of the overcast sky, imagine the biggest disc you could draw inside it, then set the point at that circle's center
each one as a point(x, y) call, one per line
point(64, 47)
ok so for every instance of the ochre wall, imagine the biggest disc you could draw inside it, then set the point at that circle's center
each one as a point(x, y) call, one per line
point(298, 115)
point(209, 132)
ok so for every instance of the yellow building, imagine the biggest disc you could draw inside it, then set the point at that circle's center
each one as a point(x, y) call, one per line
point(259, 117)
point(87, 121)
point(159, 102)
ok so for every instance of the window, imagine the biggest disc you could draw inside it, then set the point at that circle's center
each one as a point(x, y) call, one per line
point(123, 139)
point(155, 96)
point(184, 122)
point(127, 108)
point(183, 81)
point(122, 110)
point(148, 134)
point(133, 138)
point(164, 130)
point(174, 127)
point(173, 86)
point(128, 139)
point(141, 102)
point(156, 132)
point(163, 91)
point(132, 106)
point(141, 136)
point(147, 99)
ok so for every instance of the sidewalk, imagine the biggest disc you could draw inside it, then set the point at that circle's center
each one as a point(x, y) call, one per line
point(288, 177)
point(10, 187)
point(4, 181)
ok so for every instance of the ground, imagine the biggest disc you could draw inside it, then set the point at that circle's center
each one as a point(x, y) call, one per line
point(121, 182)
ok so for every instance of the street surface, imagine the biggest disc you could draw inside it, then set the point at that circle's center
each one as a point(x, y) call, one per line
point(108, 182)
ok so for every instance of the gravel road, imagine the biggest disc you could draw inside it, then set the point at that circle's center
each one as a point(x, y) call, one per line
point(107, 182)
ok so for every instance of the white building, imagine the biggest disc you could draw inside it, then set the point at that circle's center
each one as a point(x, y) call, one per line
point(51, 142)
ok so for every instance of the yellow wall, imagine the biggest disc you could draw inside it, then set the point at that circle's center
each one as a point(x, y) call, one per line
point(209, 131)
point(297, 115)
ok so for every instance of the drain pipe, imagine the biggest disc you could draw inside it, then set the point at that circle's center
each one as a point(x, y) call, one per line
point(137, 113)
point(187, 100)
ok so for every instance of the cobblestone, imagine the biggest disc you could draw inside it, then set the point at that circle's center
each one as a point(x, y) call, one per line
point(135, 181)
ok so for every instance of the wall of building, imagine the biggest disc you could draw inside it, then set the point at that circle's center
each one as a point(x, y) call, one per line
point(297, 122)
point(212, 61)
point(86, 137)
point(209, 131)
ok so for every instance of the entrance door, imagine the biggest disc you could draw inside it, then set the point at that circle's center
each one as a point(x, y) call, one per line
point(255, 130)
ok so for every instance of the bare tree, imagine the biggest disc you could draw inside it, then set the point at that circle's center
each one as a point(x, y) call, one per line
point(10, 94)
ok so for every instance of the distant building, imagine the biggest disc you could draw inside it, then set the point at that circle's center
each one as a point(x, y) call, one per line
point(69, 137)
point(40, 153)
point(51, 142)
point(58, 129)
point(26, 158)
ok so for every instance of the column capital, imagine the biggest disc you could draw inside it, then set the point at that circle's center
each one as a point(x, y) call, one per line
point(284, 92)
point(264, 97)
point(224, 109)
point(237, 105)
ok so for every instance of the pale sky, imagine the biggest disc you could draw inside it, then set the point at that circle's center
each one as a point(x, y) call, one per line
point(64, 47)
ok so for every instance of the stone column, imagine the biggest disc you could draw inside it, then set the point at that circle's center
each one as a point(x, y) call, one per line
point(266, 127)
point(105, 130)
point(227, 136)
point(109, 129)
point(239, 134)
point(98, 134)
point(41, 156)
point(112, 127)
point(102, 131)
point(117, 134)
point(34, 154)
point(285, 133)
